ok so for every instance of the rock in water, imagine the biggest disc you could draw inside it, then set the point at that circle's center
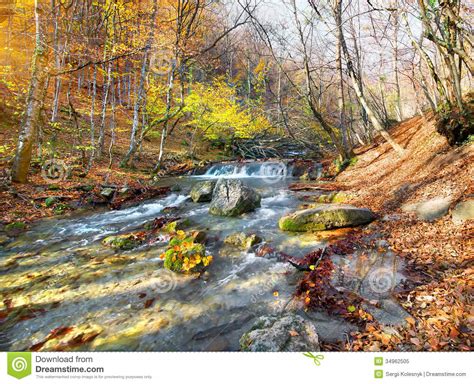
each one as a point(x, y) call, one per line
point(326, 216)
point(202, 191)
point(233, 198)
point(290, 333)
point(243, 241)
point(123, 242)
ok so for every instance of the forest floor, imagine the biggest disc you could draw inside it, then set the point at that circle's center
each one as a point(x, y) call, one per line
point(438, 253)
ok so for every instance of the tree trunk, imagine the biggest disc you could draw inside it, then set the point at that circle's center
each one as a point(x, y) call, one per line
point(34, 102)
point(340, 99)
point(377, 124)
point(141, 89)
point(164, 131)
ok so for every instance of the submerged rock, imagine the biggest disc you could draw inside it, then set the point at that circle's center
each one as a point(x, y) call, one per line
point(289, 333)
point(4, 239)
point(326, 217)
point(233, 198)
point(123, 242)
point(202, 191)
point(243, 241)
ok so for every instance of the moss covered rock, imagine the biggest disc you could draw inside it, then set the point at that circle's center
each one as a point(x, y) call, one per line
point(14, 229)
point(184, 255)
point(326, 216)
point(123, 242)
point(177, 225)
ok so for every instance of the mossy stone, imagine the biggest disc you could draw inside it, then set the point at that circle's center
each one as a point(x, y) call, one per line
point(324, 217)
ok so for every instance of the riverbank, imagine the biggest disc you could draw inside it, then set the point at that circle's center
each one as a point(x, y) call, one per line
point(423, 201)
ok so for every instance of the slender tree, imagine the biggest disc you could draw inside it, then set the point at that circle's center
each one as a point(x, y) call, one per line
point(36, 94)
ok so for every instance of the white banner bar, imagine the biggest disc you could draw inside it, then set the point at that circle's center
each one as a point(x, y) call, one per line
point(212, 367)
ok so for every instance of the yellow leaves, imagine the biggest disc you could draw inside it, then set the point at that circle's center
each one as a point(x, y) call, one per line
point(207, 260)
point(307, 300)
point(261, 66)
point(217, 113)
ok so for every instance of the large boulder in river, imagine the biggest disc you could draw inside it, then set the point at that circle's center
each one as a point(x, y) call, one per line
point(324, 217)
point(290, 333)
point(233, 198)
point(202, 191)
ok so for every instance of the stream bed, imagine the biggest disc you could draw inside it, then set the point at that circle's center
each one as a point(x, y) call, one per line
point(59, 276)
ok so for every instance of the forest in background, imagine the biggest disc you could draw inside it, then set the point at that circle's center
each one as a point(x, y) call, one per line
point(101, 80)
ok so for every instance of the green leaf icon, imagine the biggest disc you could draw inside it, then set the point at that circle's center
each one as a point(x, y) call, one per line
point(19, 364)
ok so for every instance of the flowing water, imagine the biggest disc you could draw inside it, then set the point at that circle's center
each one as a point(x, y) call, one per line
point(58, 274)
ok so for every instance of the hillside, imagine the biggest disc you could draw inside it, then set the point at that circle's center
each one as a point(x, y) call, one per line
point(437, 251)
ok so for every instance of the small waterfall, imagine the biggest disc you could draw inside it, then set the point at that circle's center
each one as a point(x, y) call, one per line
point(253, 170)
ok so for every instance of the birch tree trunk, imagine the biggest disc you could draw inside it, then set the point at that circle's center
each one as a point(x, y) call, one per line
point(340, 99)
point(141, 89)
point(34, 102)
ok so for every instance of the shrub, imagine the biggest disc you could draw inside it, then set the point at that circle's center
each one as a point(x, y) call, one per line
point(184, 255)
